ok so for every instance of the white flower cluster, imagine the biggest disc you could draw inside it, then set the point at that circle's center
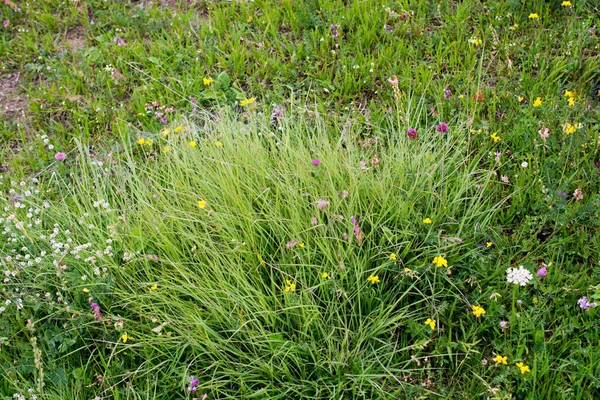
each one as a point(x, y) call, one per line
point(520, 276)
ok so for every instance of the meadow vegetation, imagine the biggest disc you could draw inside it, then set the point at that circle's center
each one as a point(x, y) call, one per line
point(316, 199)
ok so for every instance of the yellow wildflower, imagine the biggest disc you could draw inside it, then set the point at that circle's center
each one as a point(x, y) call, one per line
point(569, 93)
point(440, 261)
point(566, 4)
point(568, 128)
point(301, 245)
point(537, 102)
point(489, 244)
point(247, 102)
point(141, 141)
point(571, 101)
point(154, 287)
point(125, 337)
point(291, 287)
point(478, 311)
point(165, 132)
point(495, 137)
point(249, 19)
point(431, 323)
point(533, 16)
point(148, 142)
point(393, 257)
point(179, 129)
point(85, 290)
point(373, 279)
point(207, 81)
point(524, 368)
point(192, 143)
point(501, 360)
point(520, 98)
point(324, 275)
point(166, 149)
point(201, 203)
point(427, 221)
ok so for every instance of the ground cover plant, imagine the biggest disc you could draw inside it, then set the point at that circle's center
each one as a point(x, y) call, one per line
point(300, 199)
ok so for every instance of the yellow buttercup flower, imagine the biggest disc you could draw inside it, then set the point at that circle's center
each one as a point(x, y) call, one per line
point(192, 143)
point(124, 337)
point(478, 311)
point(489, 244)
point(207, 81)
point(427, 221)
point(495, 137)
point(154, 287)
point(373, 279)
point(431, 323)
point(566, 4)
point(179, 128)
point(440, 261)
point(141, 141)
point(201, 203)
point(524, 368)
point(324, 275)
point(166, 149)
point(537, 102)
point(501, 360)
point(393, 257)
point(533, 16)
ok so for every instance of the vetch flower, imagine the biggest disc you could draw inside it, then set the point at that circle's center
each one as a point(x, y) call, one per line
point(431, 323)
point(524, 368)
point(478, 311)
point(447, 92)
point(537, 102)
point(520, 276)
point(500, 360)
point(584, 304)
point(373, 279)
point(193, 384)
point(578, 194)
point(290, 287)
point(247, 102)
point(440, 261)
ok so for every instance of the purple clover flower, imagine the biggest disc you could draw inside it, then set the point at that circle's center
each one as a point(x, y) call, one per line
point(316, 163)
point(543, 271)
point(60, 156)
point(447, 92)
point(442, 127)
point(412, 133)
point(96, 310)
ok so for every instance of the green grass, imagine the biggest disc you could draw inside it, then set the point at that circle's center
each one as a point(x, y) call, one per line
point(220, 310)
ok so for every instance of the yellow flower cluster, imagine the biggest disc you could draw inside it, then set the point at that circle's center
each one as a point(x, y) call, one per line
point(290, 287)
point(431, 323)
point(142, 141)
point(440, 261)
point(373, 279)
point(478, 311)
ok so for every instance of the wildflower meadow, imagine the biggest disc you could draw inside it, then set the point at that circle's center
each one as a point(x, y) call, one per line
point(299, 199)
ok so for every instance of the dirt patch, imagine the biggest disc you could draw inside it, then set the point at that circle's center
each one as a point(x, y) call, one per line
point(12, 100)
point(74, 40)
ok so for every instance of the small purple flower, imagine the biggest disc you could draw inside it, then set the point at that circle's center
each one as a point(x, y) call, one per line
point(335, 30)
point(96, 310)
point(447, 92)
point(543, 271)
point(119, 41)
point(6, 23)
point(60, 156)
point(583, 303)
point(442, 127)
point(497, 155)
point(412, 133)
point(316, 163)
point(193, 384)
point(276, 115)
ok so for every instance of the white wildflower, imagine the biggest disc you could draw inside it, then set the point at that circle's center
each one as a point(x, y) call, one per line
point(519, 276)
